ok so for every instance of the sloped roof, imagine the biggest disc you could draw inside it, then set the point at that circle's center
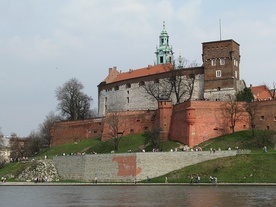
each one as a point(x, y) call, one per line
point(261, 92)
point(150, 70)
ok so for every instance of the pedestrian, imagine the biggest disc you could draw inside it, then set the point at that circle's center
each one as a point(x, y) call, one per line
point(265, 149)
point(197, 179)
point(166, 180)
point(191, 179)
point(211, 178)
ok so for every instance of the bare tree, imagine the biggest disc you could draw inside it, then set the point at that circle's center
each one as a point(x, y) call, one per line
point(273, 91)
point(251, 109)
point(45, 127)
point(174, 83)
point(117, 127)
point(73, 103)
point(17, 147)
point(34, 143)
point(152, 137)
point(234, 112)
point(159, 89)
point(182, 86)
point(1, 138)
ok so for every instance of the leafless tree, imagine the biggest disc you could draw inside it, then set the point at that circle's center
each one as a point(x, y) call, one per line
point(1, 138)
point(73, 103)
point(152, 137)
point(34, 143)
point(17, 147)
point(45, 127)
point(174, 83)
point(234, 112)
point(251, 109)
point(159, 89)
point(117, 127)
point(274, 90)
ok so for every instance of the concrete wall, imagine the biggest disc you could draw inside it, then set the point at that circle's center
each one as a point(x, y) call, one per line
point(129, 166)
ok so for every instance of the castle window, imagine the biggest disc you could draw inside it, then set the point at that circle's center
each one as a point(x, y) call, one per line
point(142, 83)
point(105, 99)
point(161, 59)
point(262, 118)
point(213, 62)
point(218, 73)
point(218, 88)
point(236, 62)
point(146, 128)
point(222, 61)
point(128, 85)
point(127, 92)
point(267, 127)
point(116, 88)
point(274, 118)
point(127, 99)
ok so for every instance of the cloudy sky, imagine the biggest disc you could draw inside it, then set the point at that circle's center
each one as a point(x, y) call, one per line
point(44, 43)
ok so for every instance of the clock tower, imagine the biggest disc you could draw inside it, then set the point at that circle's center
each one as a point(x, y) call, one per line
point(164, 52)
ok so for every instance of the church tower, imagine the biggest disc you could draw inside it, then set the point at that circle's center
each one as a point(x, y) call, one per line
point(164, 53)
point(221, 60)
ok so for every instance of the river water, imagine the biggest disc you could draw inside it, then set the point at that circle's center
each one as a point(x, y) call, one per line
point(85, 196)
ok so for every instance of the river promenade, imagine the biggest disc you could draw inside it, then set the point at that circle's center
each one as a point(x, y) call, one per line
point(132, 184)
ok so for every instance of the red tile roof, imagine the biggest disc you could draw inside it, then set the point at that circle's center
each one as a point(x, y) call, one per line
point(115, 76)
point(261, 92)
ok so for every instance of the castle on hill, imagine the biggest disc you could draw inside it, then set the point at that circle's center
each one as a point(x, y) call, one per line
point(188, 104)
point(217, 79)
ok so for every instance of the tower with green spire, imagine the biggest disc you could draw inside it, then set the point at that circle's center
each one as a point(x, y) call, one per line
point(164, 53)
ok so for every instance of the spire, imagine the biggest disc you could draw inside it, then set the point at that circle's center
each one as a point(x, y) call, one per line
point(164, 53)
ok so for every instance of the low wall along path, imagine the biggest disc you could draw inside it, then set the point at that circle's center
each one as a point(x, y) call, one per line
point(127, 167)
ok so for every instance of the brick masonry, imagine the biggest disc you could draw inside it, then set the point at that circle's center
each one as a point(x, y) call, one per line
point(129, 166)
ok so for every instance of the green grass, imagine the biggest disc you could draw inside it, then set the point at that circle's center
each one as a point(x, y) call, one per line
point(243, 140)
point(257, 167)
point(133, 142)
point(252, 168)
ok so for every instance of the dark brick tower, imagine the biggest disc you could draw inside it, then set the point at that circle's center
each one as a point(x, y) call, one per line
point(221, 61)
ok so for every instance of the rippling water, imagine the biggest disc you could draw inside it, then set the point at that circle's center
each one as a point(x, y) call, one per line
point(85, 196)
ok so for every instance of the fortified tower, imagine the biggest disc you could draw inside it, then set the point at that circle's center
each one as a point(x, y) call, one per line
point(164, 53)
point(221, 61)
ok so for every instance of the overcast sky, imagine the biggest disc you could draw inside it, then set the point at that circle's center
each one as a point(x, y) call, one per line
point(44, 43)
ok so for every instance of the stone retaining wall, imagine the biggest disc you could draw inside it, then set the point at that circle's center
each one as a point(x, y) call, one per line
point(126, 167)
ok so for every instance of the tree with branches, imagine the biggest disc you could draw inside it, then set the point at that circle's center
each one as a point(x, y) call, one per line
point(73, 103)
point(117, 127)
point(251, 109)
point(234, 112)
point(152, 137)
point(45, 127)
point(181, 86)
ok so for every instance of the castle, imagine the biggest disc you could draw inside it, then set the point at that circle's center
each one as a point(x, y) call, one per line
point(217, 78)
point(187, 103)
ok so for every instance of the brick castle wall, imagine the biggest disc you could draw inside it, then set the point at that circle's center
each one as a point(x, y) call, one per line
point(190, 122)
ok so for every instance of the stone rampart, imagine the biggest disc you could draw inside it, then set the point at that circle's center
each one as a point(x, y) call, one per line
point(129, 166)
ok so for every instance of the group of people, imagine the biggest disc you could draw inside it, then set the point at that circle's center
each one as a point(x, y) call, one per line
point(3, 179)
point(213, 179)
point(197, 179)
point(40, 179)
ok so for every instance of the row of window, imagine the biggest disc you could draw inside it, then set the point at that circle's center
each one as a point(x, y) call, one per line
point(222, 62)
point(262, 118)
point(128, 85)
point(219, 74)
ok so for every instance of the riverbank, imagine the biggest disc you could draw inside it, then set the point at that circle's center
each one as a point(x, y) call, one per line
point(132, 184)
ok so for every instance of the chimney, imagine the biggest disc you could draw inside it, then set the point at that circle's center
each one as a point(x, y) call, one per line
point(109, 70)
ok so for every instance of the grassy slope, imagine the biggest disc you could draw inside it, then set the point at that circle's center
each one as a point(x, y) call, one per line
point(256, 167)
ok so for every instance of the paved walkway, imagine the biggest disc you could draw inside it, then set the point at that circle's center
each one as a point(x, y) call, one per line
point(132, 184)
